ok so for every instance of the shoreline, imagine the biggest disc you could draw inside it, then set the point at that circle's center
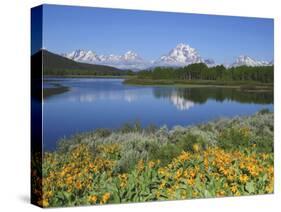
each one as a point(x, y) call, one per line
point(244, 85)
point(57, 89)
point(129, 80)
point(86, 76)
point(134, 127)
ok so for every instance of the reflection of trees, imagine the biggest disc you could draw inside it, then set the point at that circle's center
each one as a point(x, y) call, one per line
point(201, 95)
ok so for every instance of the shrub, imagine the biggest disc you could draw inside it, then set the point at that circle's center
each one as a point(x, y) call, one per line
point(165, 153)
point(187, 142)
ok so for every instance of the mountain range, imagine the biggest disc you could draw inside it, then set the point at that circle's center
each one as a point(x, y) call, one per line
point(129, 60)
point(54, 64)
point(248, 61)
point(179, 56)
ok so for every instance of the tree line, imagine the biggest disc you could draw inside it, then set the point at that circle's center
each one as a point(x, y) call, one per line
point(200, 71)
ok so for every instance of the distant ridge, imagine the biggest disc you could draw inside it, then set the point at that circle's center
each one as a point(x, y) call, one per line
point(54, 64)
point(129, 60)
point(244, 60)
point(179, 56)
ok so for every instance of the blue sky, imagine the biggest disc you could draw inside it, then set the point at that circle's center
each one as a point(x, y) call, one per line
point(152, 34)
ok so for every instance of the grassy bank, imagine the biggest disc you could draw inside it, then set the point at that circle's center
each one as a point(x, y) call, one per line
point(228, 157)
point(201, 83)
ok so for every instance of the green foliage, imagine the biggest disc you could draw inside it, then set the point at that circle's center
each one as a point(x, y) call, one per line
point(131, 127)
point(199, 71)
point(264, 111)
point(165, 153)
point(232, 138)
point(102, 132)
point(187, 142)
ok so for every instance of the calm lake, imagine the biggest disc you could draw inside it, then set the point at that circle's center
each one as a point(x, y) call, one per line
point(107, 103)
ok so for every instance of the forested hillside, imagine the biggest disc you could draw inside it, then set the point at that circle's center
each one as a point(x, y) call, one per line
point(57, 65)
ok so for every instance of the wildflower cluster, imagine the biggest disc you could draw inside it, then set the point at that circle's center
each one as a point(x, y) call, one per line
point(73, 178)
point(215, 172)
point(80, 177)
point(89, 172)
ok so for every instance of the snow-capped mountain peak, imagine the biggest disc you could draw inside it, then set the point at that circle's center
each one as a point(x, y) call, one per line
point(129, 60)
point(82, 56)
point(244, 60)
point(181, 55)
point(183, 47)
point(130, 55)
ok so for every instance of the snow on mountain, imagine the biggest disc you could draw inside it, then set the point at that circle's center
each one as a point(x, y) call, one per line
point(244, 60)
point(131, 56)
point(129, 60)
point(83, 56)
point(181, 55)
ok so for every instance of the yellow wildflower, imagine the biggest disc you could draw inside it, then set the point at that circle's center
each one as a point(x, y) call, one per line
point(93, 198)
point(269, 188)
point(105, 198)
point(234, 188)
point(123, 180)
point(78, 185)
point(237, 193)
point(69, 180)
point(184, 156)
point(190, 181)
point(194, 194)
point(162, 185)
point(178, 174)
point(161, 171)
point(243, 178)
point(91, 165)
point(196, 147)
point(45, 203)
point(140, 166)
point(151, 164)
point(220, 193)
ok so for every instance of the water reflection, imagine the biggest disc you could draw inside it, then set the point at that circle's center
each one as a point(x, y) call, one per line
point(92, 97)
point(180, 102)
point(93, 90)
point(108, 103)
point(184, 98)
